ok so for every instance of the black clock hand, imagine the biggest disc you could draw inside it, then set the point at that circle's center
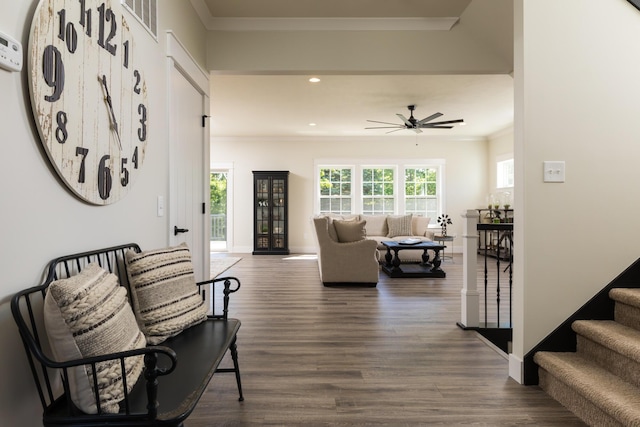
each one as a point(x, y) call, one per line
point(107, 98)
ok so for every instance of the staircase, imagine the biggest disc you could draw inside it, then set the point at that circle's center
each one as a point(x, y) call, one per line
point(600, 382)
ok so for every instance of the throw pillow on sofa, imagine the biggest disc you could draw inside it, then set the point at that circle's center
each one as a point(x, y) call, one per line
point(350, 231)
point(164, 292)
point(420, 225)
point(376, 225)
point(89, 315)
point(399, 225)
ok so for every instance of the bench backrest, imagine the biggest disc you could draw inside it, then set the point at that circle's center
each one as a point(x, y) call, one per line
point(27, 305)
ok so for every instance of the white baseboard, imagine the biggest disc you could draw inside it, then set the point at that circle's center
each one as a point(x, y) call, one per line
point(516, 368)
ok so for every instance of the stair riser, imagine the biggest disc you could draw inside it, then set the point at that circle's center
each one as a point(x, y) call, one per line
point(627, 315)
point(575, 402)
point(617, 364)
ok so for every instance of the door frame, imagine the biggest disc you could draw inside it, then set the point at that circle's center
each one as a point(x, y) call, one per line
point(180, 59)
point(228, 168)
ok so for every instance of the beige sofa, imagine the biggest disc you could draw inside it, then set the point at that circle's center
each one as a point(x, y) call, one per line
point(393, 227)
point(344, 263)
point(350, 247)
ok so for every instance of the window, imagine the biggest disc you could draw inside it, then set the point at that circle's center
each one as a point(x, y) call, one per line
point(378, 187)
point(421, 191)
point(147, 13)
point(378, 191)
point(504, 173)
point(335, 190)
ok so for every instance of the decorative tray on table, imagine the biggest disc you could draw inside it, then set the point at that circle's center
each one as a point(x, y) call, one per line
point(410, 241)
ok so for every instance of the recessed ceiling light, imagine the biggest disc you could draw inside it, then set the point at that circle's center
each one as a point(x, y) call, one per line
point(312, 124)
point(463, 123)
point(314, 80)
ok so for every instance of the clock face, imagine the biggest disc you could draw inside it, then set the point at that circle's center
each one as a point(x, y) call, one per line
point(89, 96)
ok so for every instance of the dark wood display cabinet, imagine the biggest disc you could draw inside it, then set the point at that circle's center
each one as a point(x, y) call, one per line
point(270, 206)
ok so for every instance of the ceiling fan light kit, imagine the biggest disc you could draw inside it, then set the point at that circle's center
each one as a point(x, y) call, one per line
point(416, 125)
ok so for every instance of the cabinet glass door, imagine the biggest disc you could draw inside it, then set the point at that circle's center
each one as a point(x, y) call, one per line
point(262, 213)
point(277, 218)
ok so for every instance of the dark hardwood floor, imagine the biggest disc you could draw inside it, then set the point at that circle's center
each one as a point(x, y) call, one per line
point(390, 355)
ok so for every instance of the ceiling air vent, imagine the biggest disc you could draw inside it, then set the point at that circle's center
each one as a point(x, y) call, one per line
point(147, 13)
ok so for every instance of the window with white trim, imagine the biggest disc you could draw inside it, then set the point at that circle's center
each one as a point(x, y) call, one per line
point(504, 173)
point(335, 190)
point(146, 11)
point(421, 191)
point(368, 187)
point(378, 190)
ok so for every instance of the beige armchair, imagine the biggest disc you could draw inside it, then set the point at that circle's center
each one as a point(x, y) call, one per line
point(352, 263)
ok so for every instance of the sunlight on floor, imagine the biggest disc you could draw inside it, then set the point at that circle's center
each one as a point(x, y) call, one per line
point(301, 257)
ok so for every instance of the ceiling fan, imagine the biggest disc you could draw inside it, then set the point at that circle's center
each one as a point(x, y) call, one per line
point(416, 125)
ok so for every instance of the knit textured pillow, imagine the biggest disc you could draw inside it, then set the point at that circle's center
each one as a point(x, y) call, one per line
point(164, 293)
point(399, 225)
point(89, 315)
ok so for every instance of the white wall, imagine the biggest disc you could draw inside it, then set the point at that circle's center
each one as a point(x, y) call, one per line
point(465, 178)
point(577, 64)
point(42, 220)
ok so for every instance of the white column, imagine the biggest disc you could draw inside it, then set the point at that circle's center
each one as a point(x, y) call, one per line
point(470, 298)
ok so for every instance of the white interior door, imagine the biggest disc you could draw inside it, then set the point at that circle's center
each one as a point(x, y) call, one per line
point(188, 154)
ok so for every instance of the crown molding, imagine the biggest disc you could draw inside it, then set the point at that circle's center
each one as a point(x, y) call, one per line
point(320, 24)
point(331, 24)
point(346, 139)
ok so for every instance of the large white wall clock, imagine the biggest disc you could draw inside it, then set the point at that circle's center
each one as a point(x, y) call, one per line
point(89, 96)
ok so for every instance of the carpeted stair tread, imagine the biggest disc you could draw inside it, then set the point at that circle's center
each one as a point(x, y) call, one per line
point(629, 296)
point(604, 390)
point(610, 334)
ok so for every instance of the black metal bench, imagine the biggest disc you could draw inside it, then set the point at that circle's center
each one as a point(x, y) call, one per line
point(176, 372)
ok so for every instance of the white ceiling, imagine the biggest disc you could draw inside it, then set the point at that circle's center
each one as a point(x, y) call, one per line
point(282, 105)
point(341, 105)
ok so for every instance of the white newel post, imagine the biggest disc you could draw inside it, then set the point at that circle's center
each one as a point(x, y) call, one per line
point(470, 298)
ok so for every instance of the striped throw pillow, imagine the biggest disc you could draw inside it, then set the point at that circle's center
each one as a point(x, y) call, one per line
point(164, 292)
point(399, 225)
point(89, 315)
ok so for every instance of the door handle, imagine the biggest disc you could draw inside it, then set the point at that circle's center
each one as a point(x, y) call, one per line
point(177, 230)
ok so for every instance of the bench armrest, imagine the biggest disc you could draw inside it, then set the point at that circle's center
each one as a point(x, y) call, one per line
point(231, 285)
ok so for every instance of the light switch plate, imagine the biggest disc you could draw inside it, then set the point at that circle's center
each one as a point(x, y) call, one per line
point(553, 171)
point(160, 206)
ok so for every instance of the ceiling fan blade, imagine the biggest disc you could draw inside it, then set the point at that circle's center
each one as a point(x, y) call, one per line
point(417, 130)
point(384, 123)
point(387, 127)
point(405, 120)
point(428, 119)
point(446, 122)
point(437, 127)
point(391, 131)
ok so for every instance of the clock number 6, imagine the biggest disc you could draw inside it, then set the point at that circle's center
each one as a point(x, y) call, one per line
point(104, 178)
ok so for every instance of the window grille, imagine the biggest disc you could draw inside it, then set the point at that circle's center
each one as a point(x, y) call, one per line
point(146, 11)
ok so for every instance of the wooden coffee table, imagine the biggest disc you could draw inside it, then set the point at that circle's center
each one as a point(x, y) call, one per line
point(427, 268)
